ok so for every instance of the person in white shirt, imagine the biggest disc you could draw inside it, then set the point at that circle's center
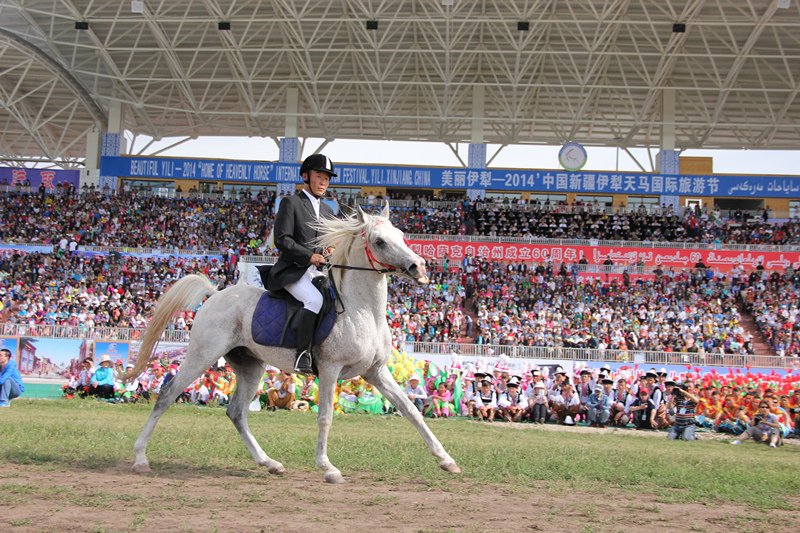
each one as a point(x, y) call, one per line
point(566, 405)
point(555, 382)
point(486, 401)
point(538, 404)
point(470, 390)
point(511, 403)
point(621, 401)
point(415, 392)
point(84, 385)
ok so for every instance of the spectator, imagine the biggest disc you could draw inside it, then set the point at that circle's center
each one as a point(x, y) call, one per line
point(620, 404)
point(350, 391)
point(538, 404)
point(103, 379)
point(415, 392)
point(599, 405)
point(731, 418)
point(224, 385)
point(442, 402)
point(282, 393)
point(566, 405)
point(153, 385)
point(486, 401)
point(684, 402)
point(268, 380)
point(307, 398)
point(643, 411)
point(511, 403)
point(11, 385)
point(765, 428)
point(84, 383)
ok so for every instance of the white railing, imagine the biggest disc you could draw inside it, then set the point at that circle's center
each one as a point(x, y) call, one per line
point(265, 259)
point(157, 251)
point(483, 239)
point(422, 348)
point(89, 333)
point(610, 356)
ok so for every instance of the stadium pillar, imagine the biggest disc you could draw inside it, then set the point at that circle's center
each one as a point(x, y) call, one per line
point(116, 125)
point(477, 149)
point(91, 169)
point(109, 144)
point(289, 145)
point(668, 160)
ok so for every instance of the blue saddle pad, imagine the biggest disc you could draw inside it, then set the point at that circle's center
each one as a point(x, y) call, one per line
point(269, 319)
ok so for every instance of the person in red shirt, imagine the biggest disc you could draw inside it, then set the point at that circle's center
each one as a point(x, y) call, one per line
point(731, 418)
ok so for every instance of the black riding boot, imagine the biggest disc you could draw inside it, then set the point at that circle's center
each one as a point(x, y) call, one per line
point(306, 324)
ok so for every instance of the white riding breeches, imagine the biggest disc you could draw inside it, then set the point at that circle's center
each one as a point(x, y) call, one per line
point(306, 292)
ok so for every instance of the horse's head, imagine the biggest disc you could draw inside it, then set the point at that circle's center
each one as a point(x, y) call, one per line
point(385, 246)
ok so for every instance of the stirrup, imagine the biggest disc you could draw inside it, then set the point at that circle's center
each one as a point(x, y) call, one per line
point(303, 363)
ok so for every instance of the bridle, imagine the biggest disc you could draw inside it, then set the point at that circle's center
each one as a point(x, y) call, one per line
point(372, 268)
point(372, 259)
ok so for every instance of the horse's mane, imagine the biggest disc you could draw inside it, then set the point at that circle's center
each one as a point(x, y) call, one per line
point(342, 233)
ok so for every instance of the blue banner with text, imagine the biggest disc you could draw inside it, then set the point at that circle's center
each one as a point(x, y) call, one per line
point(548, 181)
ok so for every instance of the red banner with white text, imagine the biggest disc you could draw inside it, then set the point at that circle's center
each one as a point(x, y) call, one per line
point(722, 260)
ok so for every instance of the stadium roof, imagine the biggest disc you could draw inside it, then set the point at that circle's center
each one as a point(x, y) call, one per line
point(591, 71)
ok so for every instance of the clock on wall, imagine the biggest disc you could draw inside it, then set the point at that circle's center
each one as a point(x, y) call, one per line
point(572, 156)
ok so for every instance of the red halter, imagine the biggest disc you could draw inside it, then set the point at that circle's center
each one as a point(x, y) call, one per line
point(372, 259)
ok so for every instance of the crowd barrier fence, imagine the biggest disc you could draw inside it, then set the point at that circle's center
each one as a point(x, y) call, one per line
point(607, 355)
point(475, 350)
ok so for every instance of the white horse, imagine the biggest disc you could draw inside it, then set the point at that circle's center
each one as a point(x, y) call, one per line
point(359, 343)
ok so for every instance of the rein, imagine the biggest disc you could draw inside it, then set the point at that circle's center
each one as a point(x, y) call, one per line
point(370, 269)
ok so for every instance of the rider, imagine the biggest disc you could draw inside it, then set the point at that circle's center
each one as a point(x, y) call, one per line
point(298, 262)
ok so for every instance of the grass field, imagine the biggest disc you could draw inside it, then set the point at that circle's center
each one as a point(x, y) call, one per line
point(86, 437)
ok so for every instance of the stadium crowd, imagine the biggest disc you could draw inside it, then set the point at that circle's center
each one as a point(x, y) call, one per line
point(578, 221)
point(774, 303)
point(108, 290)
point(535, 304)
point(242, 225)
point(68, 221)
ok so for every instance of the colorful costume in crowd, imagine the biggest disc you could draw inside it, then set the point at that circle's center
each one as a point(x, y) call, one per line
point(371, 401)
point(348, 397)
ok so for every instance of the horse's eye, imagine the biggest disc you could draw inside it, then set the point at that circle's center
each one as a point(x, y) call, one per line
point(379, 242)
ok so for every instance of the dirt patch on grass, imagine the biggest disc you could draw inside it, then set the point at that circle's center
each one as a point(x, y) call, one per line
point(38, 498)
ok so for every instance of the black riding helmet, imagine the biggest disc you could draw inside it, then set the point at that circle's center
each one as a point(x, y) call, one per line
point(319, 163)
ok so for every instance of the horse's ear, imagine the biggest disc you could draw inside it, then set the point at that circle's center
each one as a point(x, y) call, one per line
point(362, 216)
point(385, 210)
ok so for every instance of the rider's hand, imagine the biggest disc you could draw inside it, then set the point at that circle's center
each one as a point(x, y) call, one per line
point(317, 260)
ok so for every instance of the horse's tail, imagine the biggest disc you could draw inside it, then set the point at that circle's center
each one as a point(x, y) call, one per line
point(187, 293)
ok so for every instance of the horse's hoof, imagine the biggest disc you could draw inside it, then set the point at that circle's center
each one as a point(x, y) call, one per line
point(450, 467)
point(277, 469)
point(141, 468)
point(334, 477)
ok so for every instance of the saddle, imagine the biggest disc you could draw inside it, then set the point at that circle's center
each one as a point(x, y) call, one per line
point(275, 315)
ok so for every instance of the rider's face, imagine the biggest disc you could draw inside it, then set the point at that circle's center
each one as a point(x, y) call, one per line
point(317, 182)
